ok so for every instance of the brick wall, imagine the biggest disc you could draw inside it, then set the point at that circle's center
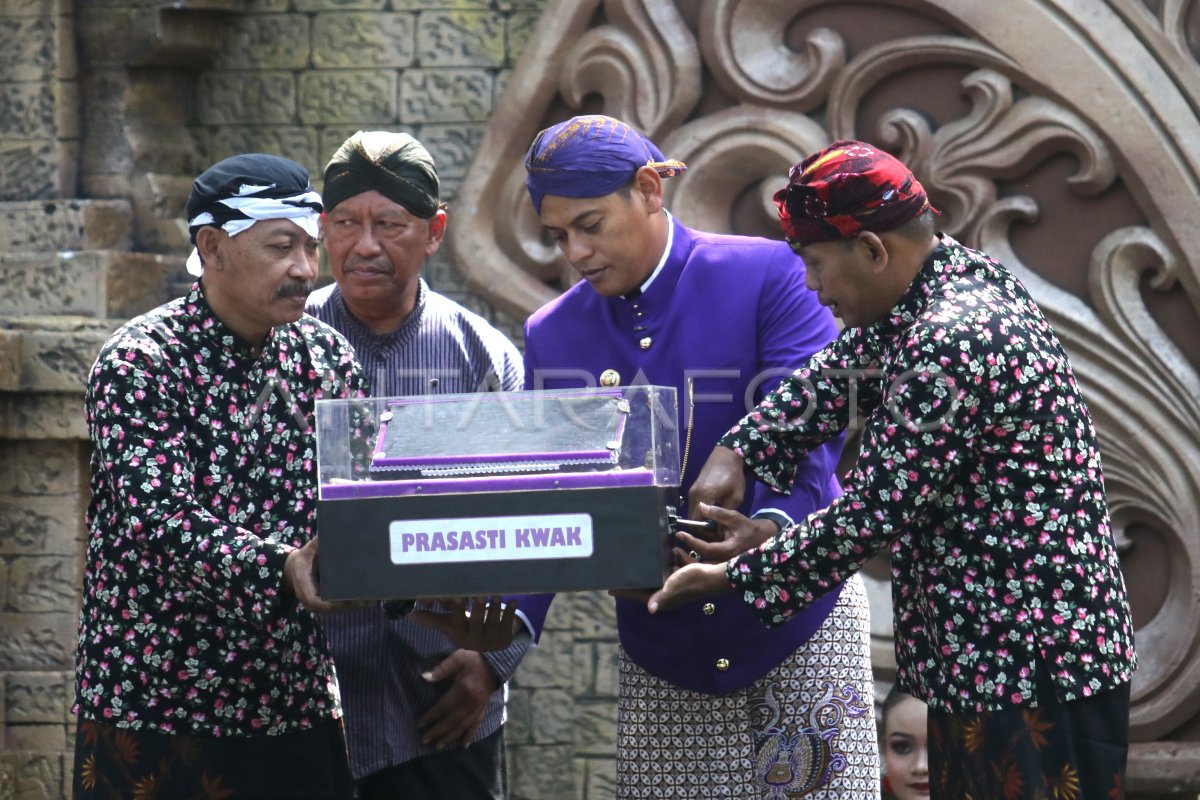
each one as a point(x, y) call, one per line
point(39, 123)
point(297, 77)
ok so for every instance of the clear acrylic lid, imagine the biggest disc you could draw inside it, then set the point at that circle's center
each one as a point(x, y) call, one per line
point(497, 441)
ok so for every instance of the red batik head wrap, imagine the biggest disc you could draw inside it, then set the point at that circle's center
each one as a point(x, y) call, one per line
point(846, 188)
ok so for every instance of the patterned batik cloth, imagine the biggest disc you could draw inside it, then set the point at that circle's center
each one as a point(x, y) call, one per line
point(806, 730)
point(846, 188)
point(590, 156)
point(121, 762)
point(1054, 751)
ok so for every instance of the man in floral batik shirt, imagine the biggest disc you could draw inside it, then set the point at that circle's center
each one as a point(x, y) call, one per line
point(201, 670)
point(979, 471)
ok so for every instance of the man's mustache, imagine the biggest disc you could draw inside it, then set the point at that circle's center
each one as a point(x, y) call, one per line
point(382, 266)
point(295, 289)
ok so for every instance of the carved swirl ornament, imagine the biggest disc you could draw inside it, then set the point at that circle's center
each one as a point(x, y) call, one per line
point(741, 99)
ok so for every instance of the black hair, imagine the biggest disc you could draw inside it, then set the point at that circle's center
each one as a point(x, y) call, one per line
point(626, 189)
point(919, 228)
point(894, 698)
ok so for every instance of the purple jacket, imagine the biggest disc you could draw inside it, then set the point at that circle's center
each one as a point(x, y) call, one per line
point(733, 313)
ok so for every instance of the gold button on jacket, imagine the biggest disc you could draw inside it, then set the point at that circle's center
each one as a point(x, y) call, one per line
point(722, 664)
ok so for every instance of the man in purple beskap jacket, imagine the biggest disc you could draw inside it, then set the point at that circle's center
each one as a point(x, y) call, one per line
point(710, 699)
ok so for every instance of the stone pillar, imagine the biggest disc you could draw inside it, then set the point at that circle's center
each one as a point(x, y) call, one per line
point(139, 59)
point(62, 276)
point(43, 475)
point(39, 99)
point(42, 469)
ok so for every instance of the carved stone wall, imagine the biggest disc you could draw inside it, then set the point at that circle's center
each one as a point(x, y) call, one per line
point(1059, 135)
point(297, 77)
point(39, 90)
point(62, 275)
point(40, 490)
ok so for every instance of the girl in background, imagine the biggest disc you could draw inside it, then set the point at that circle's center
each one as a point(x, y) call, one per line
point(905, 752)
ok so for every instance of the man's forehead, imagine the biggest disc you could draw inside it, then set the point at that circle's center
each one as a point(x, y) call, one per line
point(561, 212)
point(370, 202)
point(815, 250)
point(276, 227)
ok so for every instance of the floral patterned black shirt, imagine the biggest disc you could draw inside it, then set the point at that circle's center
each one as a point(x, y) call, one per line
point(979, 468)
point(203, 480)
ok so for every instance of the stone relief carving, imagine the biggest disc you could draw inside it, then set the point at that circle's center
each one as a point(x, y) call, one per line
point(741, 150)
point(744, 47)
point(978, 97)
point(645, 64)
point(998, 138)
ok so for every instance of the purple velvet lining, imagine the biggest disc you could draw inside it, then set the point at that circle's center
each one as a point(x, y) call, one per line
point(424, 400)
point(379, 462)
point(591, 456)
point(356, 490)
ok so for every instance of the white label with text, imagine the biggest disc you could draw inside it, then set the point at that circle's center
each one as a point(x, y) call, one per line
point(453, 541)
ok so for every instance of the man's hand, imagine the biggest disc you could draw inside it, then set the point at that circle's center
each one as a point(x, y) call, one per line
point(300, 578)
point(722, 482)
point(690, 583)
point(455, 718)
point(300, 575)
point(739, 534)
point(475, 623)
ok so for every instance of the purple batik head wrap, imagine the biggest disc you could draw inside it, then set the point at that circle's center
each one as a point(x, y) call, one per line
point(590, 156)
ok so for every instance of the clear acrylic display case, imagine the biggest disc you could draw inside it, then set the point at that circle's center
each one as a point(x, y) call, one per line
point(496, 492)
point(497, 441)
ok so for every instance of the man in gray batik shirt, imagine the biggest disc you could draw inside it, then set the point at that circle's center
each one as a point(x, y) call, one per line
point(413, 702)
